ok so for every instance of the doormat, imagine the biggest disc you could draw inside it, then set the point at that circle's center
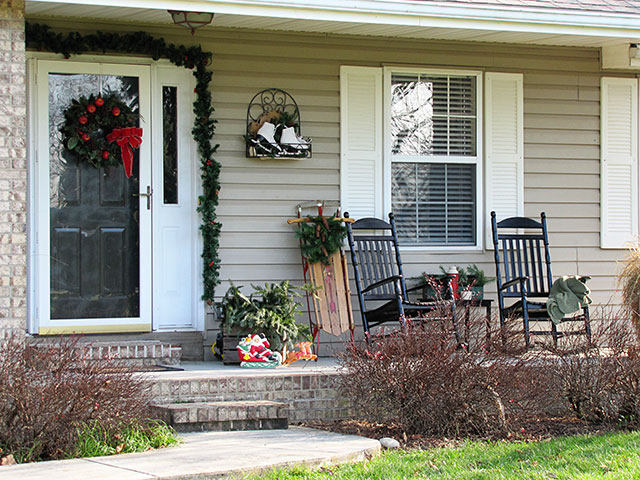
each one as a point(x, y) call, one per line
point(158, 368)
point(142, 369)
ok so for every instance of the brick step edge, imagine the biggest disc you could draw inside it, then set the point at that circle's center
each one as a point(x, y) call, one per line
point(224, 415)
point(139, 353)
point(132, 351)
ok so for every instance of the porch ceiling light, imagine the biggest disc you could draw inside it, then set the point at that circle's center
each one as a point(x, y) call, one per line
point(191, 20)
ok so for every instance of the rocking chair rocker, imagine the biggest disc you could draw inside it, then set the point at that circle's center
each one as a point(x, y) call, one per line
point(382, 292)
point(524, 273)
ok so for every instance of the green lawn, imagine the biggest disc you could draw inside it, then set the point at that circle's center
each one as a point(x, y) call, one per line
point(610, 456)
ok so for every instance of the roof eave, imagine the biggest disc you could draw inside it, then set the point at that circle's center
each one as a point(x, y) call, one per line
point(407, 13)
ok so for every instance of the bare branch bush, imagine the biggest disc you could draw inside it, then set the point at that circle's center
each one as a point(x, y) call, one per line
point(47, 391)
point(601, 381)
point(420, 379)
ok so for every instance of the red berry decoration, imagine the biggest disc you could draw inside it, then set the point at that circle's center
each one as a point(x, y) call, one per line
point(88, 122)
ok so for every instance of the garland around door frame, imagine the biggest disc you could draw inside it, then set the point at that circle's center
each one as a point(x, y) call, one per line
point(40, 37)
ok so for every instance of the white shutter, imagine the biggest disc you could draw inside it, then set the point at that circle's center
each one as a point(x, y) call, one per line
point(361, 187)
point(618, 161)
point(504, 147)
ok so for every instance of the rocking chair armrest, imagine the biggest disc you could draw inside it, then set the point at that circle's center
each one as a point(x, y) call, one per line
point(513, 282)
point(373, 286)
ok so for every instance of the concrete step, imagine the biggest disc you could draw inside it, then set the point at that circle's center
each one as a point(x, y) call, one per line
point(224, 416)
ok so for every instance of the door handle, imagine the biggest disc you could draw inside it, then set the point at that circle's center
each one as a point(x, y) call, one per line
point(148, 195)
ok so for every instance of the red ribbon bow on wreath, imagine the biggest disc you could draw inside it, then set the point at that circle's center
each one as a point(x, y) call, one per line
point(126, 138)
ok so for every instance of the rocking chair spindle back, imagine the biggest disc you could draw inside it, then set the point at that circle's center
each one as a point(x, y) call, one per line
point(523, 272)
point(377, 266)
point(523, 255)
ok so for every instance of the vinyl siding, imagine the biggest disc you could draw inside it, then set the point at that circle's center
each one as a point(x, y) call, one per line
point(561, 136)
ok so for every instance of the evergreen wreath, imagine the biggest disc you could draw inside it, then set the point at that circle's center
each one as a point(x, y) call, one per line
point(87, 123)
point(320, 237)
point(40, 37)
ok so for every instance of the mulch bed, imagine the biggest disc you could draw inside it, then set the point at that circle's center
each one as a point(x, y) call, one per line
point(532, 430)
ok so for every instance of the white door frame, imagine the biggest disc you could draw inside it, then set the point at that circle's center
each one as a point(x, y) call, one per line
point(181, 218)
point(39, 197)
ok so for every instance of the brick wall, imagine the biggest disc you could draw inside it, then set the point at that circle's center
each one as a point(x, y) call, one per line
point(13, 169)
point(311, 396)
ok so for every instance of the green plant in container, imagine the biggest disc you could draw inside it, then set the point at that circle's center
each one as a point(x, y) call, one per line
point(270, 310)
point(473, 281)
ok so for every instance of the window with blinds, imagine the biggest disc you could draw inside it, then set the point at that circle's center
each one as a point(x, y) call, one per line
point(433, 115)
point(434, 145)
point(434, 203)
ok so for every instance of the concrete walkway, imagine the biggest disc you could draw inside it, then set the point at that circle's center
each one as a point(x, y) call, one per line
point(209, 455)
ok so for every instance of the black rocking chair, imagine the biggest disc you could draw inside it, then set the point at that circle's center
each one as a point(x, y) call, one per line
point(382, 292)
point(523, 272)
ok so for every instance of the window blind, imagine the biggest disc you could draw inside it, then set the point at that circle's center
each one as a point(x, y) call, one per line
point(434, 203)
point(433, 115)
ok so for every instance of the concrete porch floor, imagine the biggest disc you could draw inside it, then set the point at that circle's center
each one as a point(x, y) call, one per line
point(216, 369)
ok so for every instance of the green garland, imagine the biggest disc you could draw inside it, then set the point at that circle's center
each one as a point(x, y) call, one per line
point(88, 115)
point(320, 238)
point(40, 37)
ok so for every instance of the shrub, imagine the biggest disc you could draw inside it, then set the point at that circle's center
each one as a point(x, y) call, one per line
point(419, 379)
point(601, 382)
point(629, 280)
point(47, 392)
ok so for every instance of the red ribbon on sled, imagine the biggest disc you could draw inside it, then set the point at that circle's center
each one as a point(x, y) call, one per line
point(126, 138)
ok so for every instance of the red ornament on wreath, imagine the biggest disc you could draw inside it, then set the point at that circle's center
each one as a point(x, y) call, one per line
point(102, 131)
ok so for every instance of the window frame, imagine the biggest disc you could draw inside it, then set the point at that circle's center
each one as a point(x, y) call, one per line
point(478, 159)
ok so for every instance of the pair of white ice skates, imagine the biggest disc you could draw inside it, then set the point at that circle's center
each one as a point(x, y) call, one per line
point(290, 143)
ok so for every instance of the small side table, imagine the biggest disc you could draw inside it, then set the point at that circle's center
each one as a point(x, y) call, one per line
point(485, 303)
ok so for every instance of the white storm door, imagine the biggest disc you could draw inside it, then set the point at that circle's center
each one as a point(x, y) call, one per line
point(176, 274)
point(92, 260)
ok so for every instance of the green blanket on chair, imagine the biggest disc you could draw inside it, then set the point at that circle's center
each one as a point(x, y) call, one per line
point(568, 294)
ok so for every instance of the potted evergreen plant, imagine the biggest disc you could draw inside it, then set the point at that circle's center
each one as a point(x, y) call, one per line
point(270, 310)
point(471, 285)
point(471, 282)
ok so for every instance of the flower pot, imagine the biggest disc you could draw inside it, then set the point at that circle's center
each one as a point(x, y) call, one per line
point(478, 293)
point(475, 294)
